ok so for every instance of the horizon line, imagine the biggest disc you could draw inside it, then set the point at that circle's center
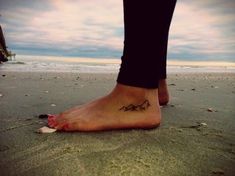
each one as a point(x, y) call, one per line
point(170, 62)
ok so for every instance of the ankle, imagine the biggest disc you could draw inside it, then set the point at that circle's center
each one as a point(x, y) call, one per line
point(162, 82)
point(136, 94)
point(163, 94)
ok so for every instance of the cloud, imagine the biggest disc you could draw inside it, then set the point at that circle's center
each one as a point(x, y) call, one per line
point(67, 25)
point(200, 29)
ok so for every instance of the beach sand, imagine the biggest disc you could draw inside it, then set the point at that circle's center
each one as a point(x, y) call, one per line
point(196, 137)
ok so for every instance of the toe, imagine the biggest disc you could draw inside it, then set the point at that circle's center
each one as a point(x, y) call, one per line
point(52, 121)
point(57, 122)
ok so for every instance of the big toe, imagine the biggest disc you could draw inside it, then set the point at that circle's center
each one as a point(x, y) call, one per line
point(51, 119)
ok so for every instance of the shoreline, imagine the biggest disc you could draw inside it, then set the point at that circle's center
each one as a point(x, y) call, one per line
point(104, 66)
point(171, 62)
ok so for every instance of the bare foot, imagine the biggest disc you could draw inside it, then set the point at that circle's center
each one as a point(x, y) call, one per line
point(163, 94)
point(125, 107)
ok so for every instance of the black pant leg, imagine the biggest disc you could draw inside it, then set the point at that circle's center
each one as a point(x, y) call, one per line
point(145, 45)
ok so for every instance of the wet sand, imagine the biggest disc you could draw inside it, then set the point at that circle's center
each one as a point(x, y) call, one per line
point(196, 137)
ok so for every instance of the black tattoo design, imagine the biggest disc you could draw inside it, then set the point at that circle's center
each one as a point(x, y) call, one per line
point(141, 107)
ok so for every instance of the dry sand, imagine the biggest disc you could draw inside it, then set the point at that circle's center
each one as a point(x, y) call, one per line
point(180, 146)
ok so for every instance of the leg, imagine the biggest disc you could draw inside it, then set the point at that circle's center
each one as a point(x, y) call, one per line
point(132, 103)
point(152, 46)
point(145, 45)
point(163, 93)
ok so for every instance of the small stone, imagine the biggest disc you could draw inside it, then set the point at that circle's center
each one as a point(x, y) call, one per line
point(1, 95)
point(193, 89)
point(203, 124)
point(3, 148)
point(46, 91)
point(43, 116)
point(28, 119)
point(181, 90)
point(46, 130)
point(219, 134)
point(180, 130)
point(210, 110)
point(26, 95)
point(172, 128)
point(218, 172)
point(232, 151)
point(53, 105)
point(3, 75)
point(172, 84)
point(216, 87)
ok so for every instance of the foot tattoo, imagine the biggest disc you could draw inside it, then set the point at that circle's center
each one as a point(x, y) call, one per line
point(141, 107)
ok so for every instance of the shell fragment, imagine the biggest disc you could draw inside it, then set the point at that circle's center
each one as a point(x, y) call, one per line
point(46, 130)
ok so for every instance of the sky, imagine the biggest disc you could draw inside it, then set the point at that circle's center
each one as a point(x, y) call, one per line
point(202, 30)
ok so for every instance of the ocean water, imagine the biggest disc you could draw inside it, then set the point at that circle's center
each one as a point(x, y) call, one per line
point(91, 65)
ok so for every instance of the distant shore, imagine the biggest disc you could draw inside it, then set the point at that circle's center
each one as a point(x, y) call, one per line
point(99, 65)
point(171, 62)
